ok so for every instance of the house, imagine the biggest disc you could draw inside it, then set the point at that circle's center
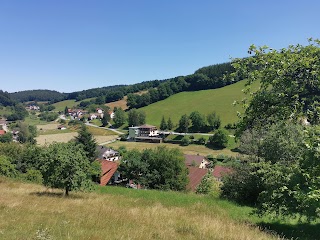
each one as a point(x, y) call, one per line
point(33, 107)
point(99, 110)
point(195, 176)
point(108, 171)
point(144, 133)
point(108, 154)
point(111, 114)
point(196, 161)
point(2, 132)
point(93, 116)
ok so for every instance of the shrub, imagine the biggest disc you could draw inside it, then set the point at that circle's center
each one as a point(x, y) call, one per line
point(219, 139)
point(185, 141)
point(33, 175)
point(7, 168)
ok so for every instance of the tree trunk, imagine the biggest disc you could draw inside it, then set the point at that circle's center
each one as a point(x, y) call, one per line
point(67, 191)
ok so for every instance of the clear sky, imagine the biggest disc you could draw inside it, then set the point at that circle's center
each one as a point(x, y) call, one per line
point(71, 45)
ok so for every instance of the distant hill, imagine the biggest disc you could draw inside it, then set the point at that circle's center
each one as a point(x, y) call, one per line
point(38, 95)
point(205, 101)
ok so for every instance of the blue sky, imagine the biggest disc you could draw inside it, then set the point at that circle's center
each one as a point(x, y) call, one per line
point(71, 45)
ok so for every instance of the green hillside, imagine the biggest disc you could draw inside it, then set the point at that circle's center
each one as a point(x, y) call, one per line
point(219, 100)
point(60, 106)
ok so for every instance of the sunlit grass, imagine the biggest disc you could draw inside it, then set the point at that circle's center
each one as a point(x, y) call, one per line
point(29, 211)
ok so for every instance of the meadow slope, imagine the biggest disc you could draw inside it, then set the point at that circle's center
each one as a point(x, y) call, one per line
point(219, 100)
point(29, 211)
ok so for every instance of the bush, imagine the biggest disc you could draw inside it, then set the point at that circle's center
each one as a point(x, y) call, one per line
point(185, 141)
point(7, 168)
point(219, 139)
point(208, 185)
point(201, 141)
point(33, 175)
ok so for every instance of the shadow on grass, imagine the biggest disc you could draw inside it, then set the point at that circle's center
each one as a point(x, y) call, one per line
point(56, 195)
point(302, 231)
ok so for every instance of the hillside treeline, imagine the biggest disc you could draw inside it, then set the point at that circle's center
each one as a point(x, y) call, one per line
point(204, 78)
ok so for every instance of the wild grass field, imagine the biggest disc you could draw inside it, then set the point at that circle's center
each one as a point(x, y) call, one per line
point(219, 100)
point(29, 211)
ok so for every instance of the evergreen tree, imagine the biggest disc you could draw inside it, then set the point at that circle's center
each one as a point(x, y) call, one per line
point(169, 124)
point(184, 123)
point(106, 118)
point(163, 125)
point(85, 138)
point(66, 111)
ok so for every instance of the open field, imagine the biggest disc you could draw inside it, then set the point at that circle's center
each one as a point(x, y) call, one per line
point(121, 103)
point(30, 211)
point(219, 100)
point(60, 106)
point(191, 149)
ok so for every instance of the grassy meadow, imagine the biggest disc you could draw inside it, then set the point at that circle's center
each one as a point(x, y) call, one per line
point(219, 100)
point(60, 106)
point(31, 211)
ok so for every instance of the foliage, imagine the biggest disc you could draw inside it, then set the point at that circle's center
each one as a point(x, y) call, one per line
point(5, 99)
point(184, 123)
point(242, 185)
point(170, 124)
point(136, 117)
point(33, 175)
point(48, 116)
point(185, 141)
point(219, 139)
point(159, 168)
point(106, 119)
point(7, 137)
point(6, 167)
point(289, 84)
point(119, 117)
point(27, 133)
point(66, 166)
point(208, 185)
point(198, 121)
point(88, 143)
point(201, 141)
point(19, 113)
point(213, 120)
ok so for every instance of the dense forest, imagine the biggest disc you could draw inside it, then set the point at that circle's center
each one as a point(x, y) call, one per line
point(38, 95)
point(5, 99)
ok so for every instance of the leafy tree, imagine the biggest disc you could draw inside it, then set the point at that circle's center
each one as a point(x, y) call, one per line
point(88, 143)
point(169, 124)
point(66, 166)
point(119, 117)
point(185, 141)
point(219, 139)
point(289, 84)
point(184, 123)
point(136, 117)
point(27, 133)
point(198, 121)
point(214, 121)
point(163, 124)
point(159, 168)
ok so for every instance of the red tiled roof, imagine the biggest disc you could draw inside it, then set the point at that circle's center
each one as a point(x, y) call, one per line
point(220, 171)
point(190, 159)
point(2, 132)
point(108, 169)
point(195, 176)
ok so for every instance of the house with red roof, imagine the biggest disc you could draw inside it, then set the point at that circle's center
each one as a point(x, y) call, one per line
point(196, 161)
point(2, 132)
point(108, 171)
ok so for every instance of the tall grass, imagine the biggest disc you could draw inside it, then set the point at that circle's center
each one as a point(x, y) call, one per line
point(28, 211)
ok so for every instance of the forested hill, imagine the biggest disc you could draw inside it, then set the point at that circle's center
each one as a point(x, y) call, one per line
point(5, 99)
point(38, 95)
point(209, 77)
